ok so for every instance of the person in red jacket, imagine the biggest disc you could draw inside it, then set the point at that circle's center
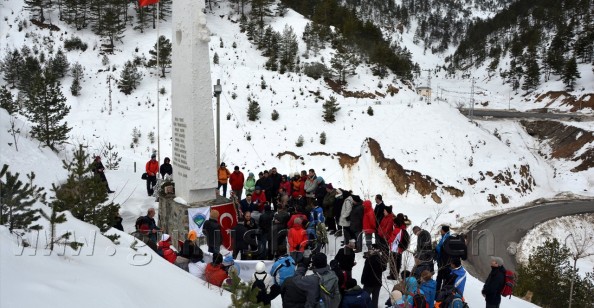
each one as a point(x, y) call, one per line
point(236, 180)
point(369, 223)
point(294, 217)
point(164, 246)
point(286, 185)
point(151, 169)
point(297, 241)
point(297, 187)
point(396, 249)
point(259, 198)
point(385, 229)
point(215, 273)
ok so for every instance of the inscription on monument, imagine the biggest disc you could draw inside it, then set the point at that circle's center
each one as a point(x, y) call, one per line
point(179, 147)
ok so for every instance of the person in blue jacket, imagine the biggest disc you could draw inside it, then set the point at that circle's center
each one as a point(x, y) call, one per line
point(457, 275)
point(284, 267)
point(428, 287)
point(354, 296)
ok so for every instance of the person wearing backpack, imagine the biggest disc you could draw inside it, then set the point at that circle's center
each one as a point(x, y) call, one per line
point(341, 274)
point(428, 287)
point(371, 277)
point(457, 277)
point(299, 291)
point(355, 297)
point(443, 259)
point(267, 289)
point(328, 281)
point(494, 283)
point(413, 294)
point(283, 267)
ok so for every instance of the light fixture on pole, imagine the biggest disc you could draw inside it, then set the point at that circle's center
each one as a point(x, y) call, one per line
point(218, 89)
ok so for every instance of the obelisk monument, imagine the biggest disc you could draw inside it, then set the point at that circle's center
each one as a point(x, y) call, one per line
point(194, 155)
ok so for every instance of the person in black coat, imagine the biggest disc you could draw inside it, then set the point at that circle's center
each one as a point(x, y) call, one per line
point(371, 277)
point(379, 209)
point(494, 283)
point(212, 230)
point(99, 170)
point(239, 244)
point(356, 220)
point(166, 168)
point(118, 222)
point(346, 257)
point(265, 223)
point(424, 253)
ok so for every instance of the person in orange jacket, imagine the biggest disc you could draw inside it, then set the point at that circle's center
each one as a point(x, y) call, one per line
point(223, 175)
point(369, 223)
point(151, 169)
point(298, 187)
point(215, 273)
point(297, 240)
point(164, 247)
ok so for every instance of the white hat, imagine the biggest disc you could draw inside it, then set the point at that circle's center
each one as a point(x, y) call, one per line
point(165, 237)
point(260, 267)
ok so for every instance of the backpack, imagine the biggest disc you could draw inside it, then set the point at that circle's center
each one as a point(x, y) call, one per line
point(458, 302)
point(404, 240)
point(329, 291)
point(510, 283)
point(140, 221)
point(455, 246)
point(419, 300)
point(259, 283)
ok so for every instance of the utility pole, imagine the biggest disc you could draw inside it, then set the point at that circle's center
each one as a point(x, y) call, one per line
point(429, 92)
point(217, 92)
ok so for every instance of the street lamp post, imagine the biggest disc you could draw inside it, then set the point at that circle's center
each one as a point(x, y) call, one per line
point(218, 89)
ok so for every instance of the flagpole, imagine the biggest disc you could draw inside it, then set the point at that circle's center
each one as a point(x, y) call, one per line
point(158, 77)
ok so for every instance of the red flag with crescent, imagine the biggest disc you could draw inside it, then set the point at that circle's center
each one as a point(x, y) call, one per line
point(142, 3)
point(227, 220)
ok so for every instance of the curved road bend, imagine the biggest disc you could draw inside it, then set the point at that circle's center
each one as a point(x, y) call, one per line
point(509, 114)
point(510, 227)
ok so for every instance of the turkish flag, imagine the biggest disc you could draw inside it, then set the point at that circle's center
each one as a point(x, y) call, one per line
point(142, 3)
point(227, 220)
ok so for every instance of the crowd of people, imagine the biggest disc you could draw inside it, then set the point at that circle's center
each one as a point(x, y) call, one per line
point(288, 219)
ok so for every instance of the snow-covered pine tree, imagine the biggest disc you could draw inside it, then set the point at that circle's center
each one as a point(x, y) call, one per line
point(77, 74)
point(129, 78)
point(54, 218)
point(242, 294)
point(289, 49)
point(331, 107)
point(253, 111)
point(142, 17)
point(16, 199)
point(7, 101)
point(59, 64)
point(165, 50)
point(46, 108)
point(84, 194)
point(344, 63)
point(11, 67)
point(75, 87)
point(323, 138)
point(215, 58)
point(30, 69)
point(570, 74)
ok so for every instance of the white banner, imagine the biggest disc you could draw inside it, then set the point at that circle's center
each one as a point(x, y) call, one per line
point(197, 217)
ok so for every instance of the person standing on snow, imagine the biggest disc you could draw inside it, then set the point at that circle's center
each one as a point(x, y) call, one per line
point(494, 283)
point(151, 169)
point(223, 177)
point(236, 180)
point(99, 171)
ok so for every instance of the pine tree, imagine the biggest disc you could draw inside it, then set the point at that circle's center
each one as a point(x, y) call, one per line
point(30, 70)
point(59, 64)
point(532, 74)
point(274, 116)
point(570, 74)
point(75, 87)
point(344, 63)
point(16, 199)
point(129, 79)
point(261, 9)
point(54, 218)
point(289, 49)
point(331, 107)
point(165, 50)
point(38, 8)
point(370, 111)
point(323, 138)
point(142, 17)
point(6, 101)
point(547, 269)
point(84, 194)
point(46, 108)
point(242, 294)
point(11, 67)
point(215, 58)
point(253, 111)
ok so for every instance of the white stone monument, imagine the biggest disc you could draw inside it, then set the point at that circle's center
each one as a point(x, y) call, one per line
point(194, 158)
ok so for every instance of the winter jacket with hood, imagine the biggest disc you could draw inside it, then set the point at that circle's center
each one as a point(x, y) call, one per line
point(259, 199)
point(428, 288)
point(301, 291)
point(282, 269)
point(395, 239)
point(356, 223)
point(328, 202)
point(411, 289)
point(355, 297)
point(298, 189)
point(286, 185)
point(387, 226)
point(297, 238)
point(250, 184)
point(223, 175)
point(372, 270)
point(369, 223)
point(215, 274)
point(458, 279)
point(165, 246)
point(311, 184)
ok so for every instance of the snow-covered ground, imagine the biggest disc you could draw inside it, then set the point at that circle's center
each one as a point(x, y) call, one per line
point(576, 232)
point(435, 140)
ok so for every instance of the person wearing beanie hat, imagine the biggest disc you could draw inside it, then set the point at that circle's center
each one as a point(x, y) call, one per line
point(494, 284)
point(212, 231)
point(355, 296)
point(250, 184)
point(165, 246)
point(223, 177)
point(215, 273)
point(264, 283)
point(151, 169)
point(319, 260)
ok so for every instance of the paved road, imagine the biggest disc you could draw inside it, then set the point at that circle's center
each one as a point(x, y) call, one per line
point(510, 227)
point(525, 115)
